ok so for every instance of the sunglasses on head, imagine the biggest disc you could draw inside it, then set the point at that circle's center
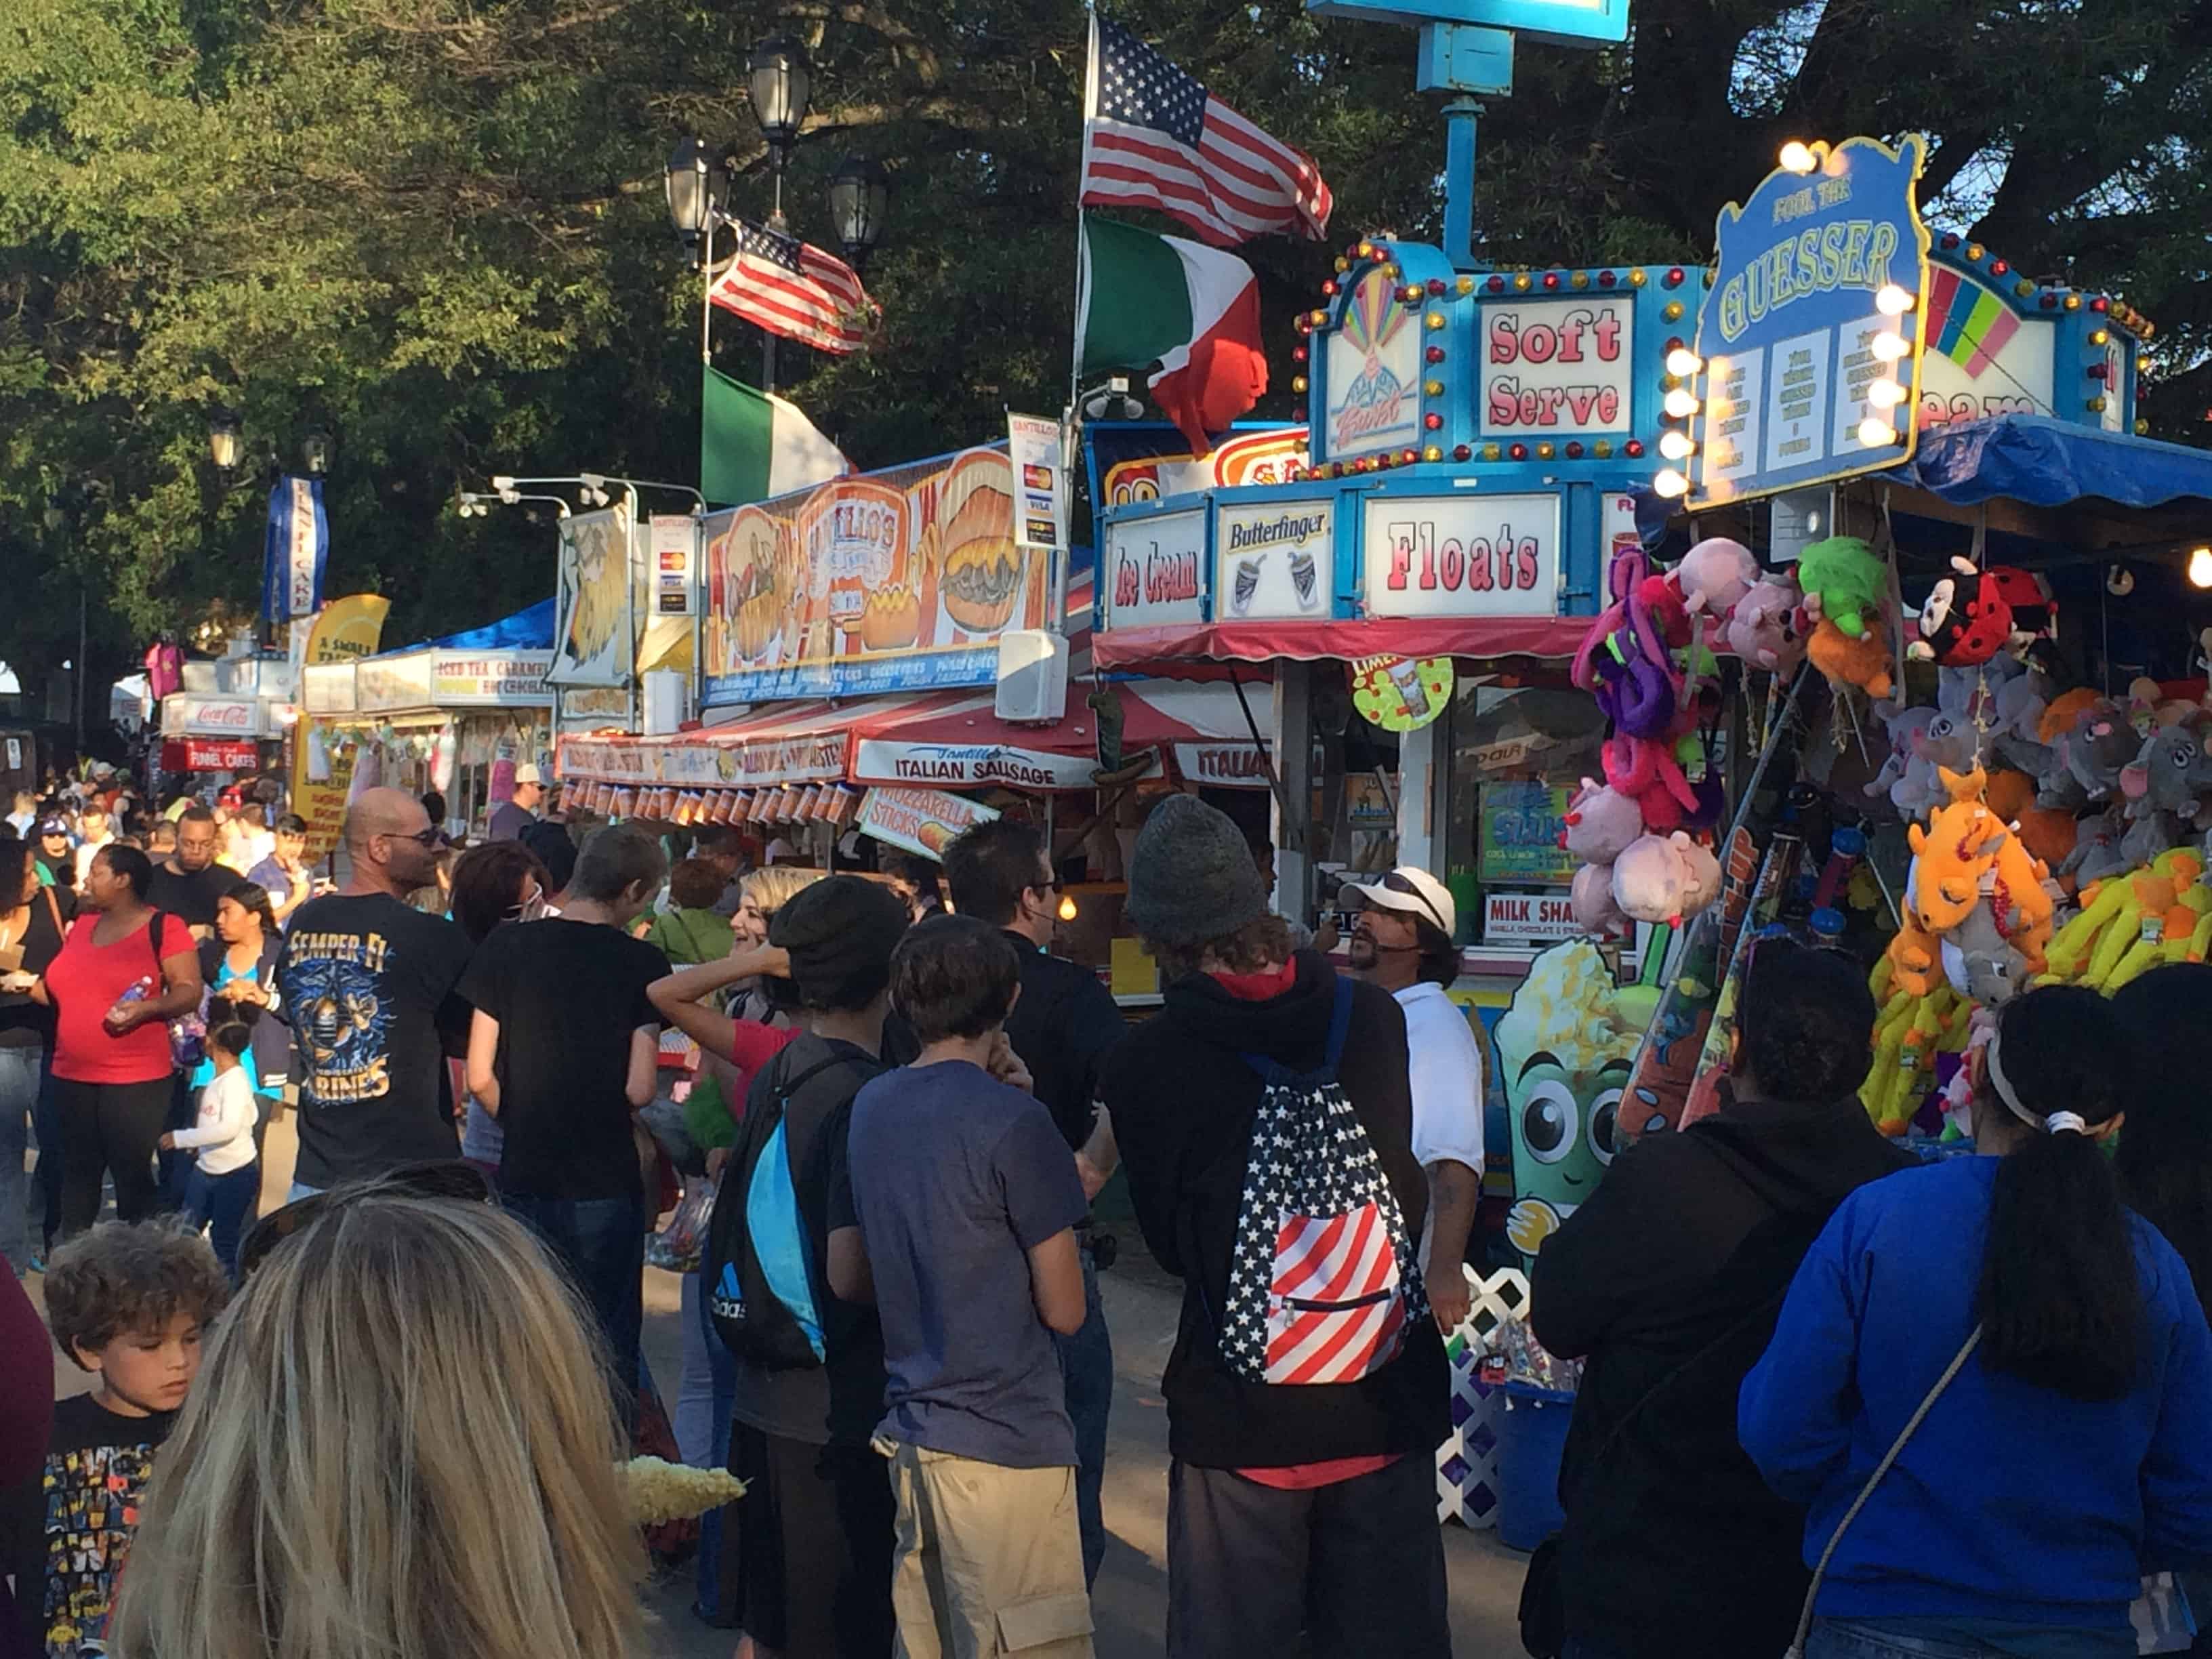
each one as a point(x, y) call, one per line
point(447, 1179)
point(1397, 883)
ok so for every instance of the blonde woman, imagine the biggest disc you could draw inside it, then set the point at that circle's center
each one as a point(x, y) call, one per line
point(401, 1447)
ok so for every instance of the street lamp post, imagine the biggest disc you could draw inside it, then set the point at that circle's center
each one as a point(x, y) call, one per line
point(779, 82)
point(860, 199)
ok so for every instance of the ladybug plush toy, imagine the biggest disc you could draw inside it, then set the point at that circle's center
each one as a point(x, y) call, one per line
point(1972, 617)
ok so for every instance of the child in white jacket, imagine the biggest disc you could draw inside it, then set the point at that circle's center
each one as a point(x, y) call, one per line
point(224, 1182)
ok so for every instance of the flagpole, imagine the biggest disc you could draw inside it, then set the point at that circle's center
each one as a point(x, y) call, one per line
point(707, 294)
point(1070, 418)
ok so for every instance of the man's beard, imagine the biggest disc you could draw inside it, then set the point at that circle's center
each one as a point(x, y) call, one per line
point(1363, 951)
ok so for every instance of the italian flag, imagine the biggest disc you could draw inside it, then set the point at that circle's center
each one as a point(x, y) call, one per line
point(1193, 309)
point(753, 444)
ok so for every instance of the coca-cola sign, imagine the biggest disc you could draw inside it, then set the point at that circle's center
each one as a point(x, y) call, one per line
point(184, 715)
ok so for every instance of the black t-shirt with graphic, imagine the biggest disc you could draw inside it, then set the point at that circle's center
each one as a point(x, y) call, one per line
point(98, 1463)
point(569, 996)
point(368, 985)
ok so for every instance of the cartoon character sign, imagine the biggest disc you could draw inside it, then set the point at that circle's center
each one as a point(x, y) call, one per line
point(1566, 1053)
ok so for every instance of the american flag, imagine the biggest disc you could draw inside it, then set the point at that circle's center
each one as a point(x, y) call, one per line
point(1335, 1313)
point(793, 288)
point(1153, 136)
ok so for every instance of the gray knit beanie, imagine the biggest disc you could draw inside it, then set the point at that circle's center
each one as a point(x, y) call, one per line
point(1192, 877)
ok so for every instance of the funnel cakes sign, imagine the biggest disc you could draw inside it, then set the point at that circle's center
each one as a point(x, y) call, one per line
point(896, 581)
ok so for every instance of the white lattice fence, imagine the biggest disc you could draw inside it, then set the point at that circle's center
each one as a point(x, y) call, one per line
point(1467, 1462)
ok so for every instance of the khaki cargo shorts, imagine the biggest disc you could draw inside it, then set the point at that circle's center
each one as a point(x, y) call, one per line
point(990, 1560)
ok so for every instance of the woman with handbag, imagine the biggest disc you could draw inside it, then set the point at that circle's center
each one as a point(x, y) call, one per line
point(2069, 1454)
point(33, 921)
point(125, 970)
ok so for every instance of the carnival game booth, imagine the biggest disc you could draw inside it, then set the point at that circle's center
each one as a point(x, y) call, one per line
point(1419, 583)
point(1999, 743)
point(456, 713)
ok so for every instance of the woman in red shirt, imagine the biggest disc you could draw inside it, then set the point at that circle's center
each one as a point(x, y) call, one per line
point(112, 1065)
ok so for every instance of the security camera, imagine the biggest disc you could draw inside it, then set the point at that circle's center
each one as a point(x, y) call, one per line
point(1112, 401)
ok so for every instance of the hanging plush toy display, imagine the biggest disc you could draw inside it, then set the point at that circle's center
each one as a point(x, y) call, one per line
point(1971, 617)
point(1844, 586)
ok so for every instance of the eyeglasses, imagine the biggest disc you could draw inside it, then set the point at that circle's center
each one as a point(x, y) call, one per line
point(1049, 884)
point(449, 1179)
point(533, 906)
point(429, 835)
point(1397, 883)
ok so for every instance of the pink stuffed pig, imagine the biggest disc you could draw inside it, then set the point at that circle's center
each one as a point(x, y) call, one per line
point(1715, 574)
point(1649, 880)
point(1763, 631)
point(1591, 896)
point(1601, 822)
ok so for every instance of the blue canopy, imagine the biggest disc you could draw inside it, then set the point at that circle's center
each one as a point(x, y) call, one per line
point(2048, 463)
point(529, 630)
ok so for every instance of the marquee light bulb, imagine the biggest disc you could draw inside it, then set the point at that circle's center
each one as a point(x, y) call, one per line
point(1884, 394)
point(1875, 433)
point(1796, 157)
point(2200, 567)
point(1067, 908)
point(1890, 346)
point(1684, 362)
point(1676, 446)
point(1672, 484)
point(1893, 301)
point(1681, 402)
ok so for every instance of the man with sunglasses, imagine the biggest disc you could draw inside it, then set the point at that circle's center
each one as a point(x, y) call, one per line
point(1402, 940)
point(367, 983)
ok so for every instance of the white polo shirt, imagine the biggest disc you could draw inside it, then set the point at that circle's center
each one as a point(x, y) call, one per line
point(1446, 1072)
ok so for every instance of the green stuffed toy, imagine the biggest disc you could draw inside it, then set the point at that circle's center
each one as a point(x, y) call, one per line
point(1843, 583)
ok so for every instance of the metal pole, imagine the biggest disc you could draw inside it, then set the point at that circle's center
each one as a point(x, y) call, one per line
point(1460, 118)
point(707, 295)
point(82, 668)
point(768, 361)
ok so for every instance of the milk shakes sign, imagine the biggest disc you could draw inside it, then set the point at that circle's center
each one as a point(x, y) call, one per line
point(1273, 561)
point(1811, 332)
point(1372, 366)
point(1554, 366)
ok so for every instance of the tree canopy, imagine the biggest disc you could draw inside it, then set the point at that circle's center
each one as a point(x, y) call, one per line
point(437, 227)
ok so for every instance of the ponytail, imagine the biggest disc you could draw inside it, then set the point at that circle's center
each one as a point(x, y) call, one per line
point(2061, 1302)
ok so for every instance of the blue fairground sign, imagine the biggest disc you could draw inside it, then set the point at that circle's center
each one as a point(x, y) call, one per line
point(1564, 23)
point(1811, 332)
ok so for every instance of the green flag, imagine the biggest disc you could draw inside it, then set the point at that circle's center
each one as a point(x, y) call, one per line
point(753, 444)
point(1193, 310)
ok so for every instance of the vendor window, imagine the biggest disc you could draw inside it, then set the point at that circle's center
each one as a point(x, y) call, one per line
point(1517, 754)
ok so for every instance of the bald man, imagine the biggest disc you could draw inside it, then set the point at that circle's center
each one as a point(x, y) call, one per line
point(367, 983)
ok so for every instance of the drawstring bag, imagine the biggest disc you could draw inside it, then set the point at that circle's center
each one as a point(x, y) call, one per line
point(1322, 1280)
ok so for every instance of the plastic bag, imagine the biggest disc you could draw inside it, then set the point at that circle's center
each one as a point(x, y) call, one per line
point(676, 1247)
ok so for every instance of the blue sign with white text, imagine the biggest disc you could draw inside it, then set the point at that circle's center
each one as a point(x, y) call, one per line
point(1811, 329)
point(1563, 22)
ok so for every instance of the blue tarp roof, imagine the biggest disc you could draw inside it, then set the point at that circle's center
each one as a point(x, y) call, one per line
point(2048, 463)
point(529, 630)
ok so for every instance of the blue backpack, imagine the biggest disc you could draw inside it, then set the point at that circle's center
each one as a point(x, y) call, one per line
point(759, 1267)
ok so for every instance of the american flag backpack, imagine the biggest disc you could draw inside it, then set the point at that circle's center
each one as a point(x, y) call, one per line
point(1322, 1280)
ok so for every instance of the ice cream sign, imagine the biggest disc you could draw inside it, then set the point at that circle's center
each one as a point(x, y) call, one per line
point(1557, 366)
point(1274, 561)
point(1152, 569)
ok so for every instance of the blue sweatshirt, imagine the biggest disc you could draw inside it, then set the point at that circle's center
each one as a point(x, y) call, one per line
point(2012, 1502)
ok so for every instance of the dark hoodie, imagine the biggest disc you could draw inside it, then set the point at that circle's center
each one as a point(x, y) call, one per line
point(1184, 1100)
point(1681, 1256)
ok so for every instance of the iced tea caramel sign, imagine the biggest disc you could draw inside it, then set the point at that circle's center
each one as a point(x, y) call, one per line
point(1462, 556)
point(1152, 569)
point(1556, 365)
point(1811, 327)
point(1274, 561)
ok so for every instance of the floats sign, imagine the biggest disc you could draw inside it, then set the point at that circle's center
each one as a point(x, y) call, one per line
point(1790, 332)
point(1557, 366)
point(1462, 556)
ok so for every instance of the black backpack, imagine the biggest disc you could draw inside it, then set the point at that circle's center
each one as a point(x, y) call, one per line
point(758, 1266)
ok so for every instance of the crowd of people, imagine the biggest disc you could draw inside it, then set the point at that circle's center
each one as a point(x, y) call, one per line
point(1972, 1391)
